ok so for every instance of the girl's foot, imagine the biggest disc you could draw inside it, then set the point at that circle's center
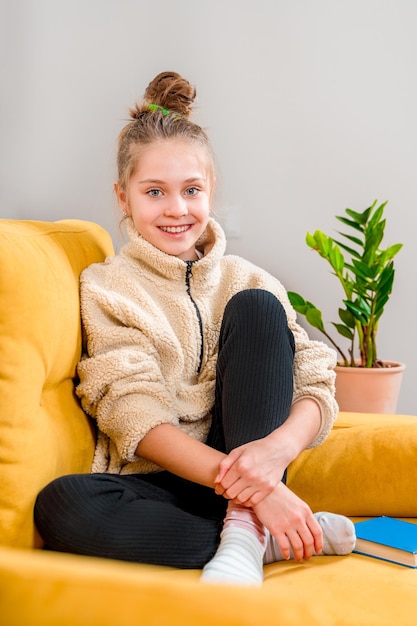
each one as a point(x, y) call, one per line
point(238, 560)
point(239, 557)
point(339, 537)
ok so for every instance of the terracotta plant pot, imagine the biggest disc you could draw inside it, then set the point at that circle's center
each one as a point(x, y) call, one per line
point(369, 390)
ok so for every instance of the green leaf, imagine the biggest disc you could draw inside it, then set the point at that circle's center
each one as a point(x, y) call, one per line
point(393, 250)
point(365, 271)
point(347, 318)
point(386, 279)
point(377, 216)
point(372, 242)
point(322, 243)
point(310, 241)
point(384, 290)
point(336, 259)
point(298, 303)
point(349, 223)
point(350, 251)
point(344, 331)
point(360, 218)
point(351, 238)
point(314, 317)
point(295, 299)
point(359, 312)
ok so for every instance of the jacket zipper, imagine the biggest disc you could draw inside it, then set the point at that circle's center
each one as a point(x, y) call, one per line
point(188, 275)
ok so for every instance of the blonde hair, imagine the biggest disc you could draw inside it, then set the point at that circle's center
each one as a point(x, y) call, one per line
point(162, 115)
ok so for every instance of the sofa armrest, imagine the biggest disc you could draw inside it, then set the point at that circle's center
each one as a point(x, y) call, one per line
point(366, 467)
point(43, 431)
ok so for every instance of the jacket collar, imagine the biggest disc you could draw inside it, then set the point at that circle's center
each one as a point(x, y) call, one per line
point(212, 244)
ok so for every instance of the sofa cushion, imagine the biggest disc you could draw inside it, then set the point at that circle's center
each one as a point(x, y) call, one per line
point(67, 590)
point(366, 467)
point(43, 431)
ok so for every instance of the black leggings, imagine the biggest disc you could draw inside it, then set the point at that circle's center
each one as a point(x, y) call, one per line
point(160, 518)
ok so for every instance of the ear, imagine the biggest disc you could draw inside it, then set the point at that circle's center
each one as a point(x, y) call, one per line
point(121, 198)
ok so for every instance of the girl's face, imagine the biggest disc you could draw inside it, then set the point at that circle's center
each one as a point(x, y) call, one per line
point(168, 196)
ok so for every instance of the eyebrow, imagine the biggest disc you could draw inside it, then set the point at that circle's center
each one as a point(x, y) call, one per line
point(156, 181)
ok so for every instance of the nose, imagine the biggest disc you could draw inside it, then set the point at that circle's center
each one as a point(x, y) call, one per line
point(176, 207)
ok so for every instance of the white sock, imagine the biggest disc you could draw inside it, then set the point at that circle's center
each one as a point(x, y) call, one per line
point(238, 560)
point(338, 537)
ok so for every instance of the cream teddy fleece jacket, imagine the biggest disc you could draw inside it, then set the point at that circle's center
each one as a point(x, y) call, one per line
point(152, 325)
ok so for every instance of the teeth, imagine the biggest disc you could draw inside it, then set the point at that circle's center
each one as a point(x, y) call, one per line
point(174, 229)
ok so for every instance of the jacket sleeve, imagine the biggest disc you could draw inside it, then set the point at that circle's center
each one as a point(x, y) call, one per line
point(121, 383)
point(314, 377)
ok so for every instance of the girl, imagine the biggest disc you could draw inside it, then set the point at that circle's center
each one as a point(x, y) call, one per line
point(203, 385)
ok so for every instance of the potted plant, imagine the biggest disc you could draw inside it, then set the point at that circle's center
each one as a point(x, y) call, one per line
point(366, 276)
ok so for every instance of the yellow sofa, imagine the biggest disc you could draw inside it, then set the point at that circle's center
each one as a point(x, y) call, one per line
point(366, 467)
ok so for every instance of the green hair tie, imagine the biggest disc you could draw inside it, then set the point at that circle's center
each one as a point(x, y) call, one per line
point(156, 107)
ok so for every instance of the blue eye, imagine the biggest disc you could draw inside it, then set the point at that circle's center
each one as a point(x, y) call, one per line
point(154, 193)
point(191, 191)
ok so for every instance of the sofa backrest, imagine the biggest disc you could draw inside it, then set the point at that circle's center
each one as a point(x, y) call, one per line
point(43, 431)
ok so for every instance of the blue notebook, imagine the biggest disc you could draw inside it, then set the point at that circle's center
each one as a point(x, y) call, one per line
point(389, 539)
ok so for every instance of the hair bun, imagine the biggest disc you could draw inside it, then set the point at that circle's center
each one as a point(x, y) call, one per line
point(171, 91)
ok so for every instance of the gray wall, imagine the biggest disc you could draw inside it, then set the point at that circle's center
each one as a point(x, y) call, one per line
point(311, 107)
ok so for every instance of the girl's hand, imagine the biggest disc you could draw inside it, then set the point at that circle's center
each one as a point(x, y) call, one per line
point(251, 472)
point(291, 521)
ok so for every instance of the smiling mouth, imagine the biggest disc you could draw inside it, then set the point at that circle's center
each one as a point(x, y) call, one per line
point(175, 229)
